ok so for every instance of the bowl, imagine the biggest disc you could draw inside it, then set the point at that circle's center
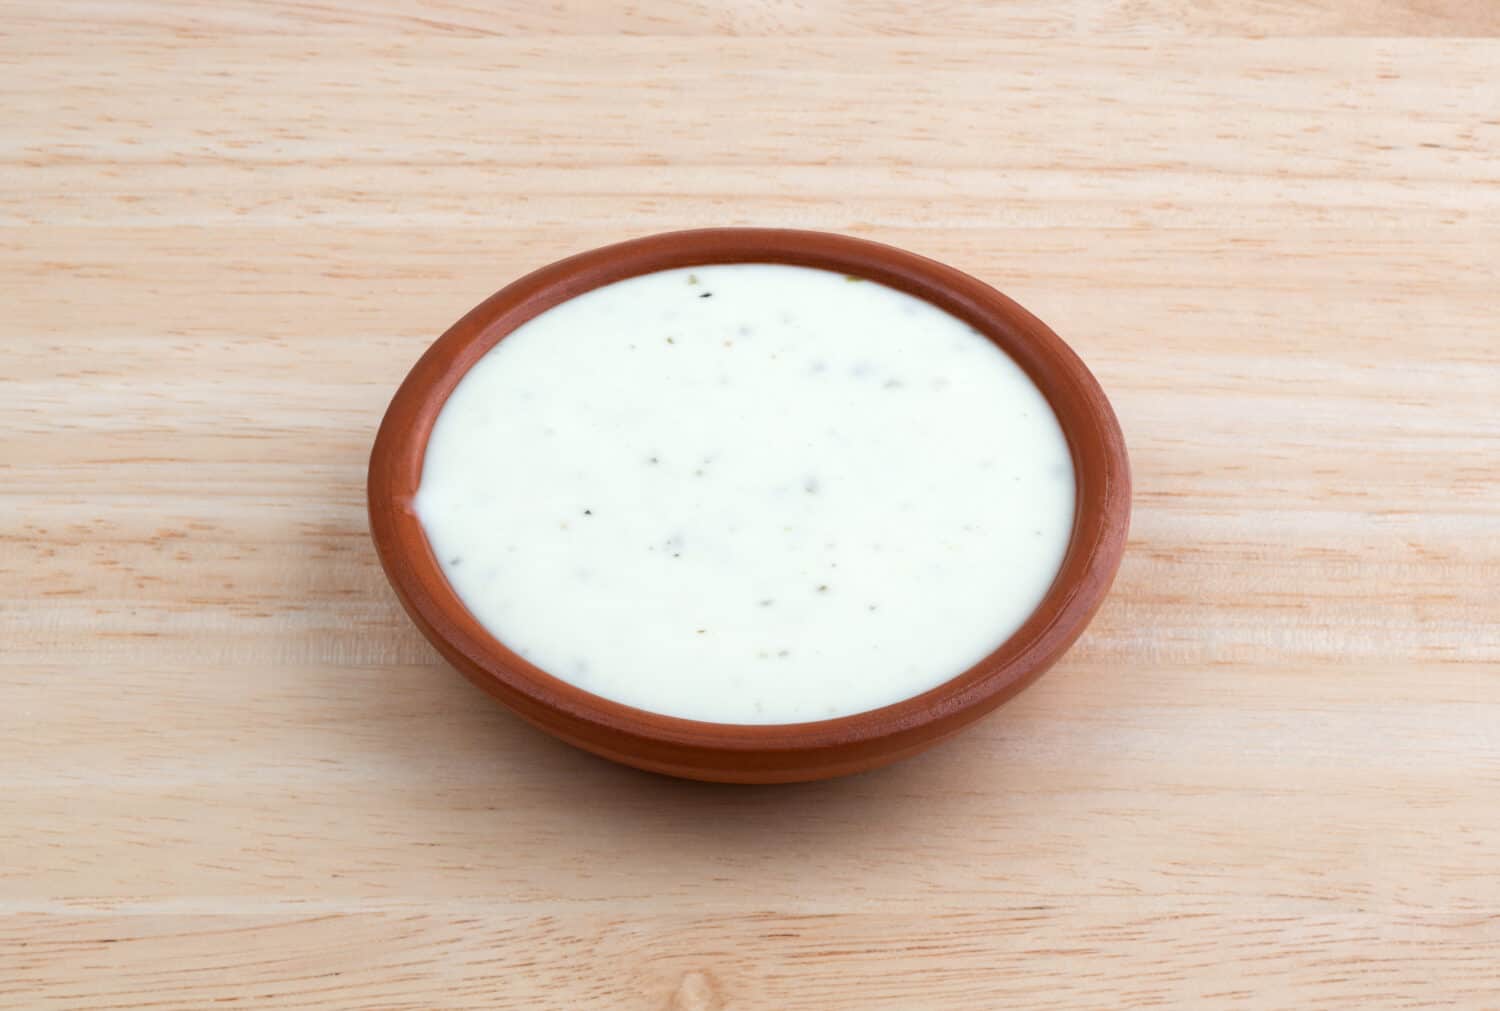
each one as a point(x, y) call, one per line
point(733, 752)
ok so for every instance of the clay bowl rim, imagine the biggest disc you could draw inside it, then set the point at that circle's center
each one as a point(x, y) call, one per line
point(784, 750)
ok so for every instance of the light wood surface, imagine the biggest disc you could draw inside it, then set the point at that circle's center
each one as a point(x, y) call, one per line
point(232, 773)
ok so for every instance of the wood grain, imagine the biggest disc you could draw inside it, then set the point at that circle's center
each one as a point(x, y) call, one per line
point(231, 772)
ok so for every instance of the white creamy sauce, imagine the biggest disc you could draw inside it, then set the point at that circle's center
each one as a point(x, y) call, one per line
point(748, 493)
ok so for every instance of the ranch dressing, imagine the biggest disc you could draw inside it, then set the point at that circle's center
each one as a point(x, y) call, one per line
point(748, 493)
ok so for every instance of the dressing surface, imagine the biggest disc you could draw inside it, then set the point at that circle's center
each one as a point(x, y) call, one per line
point(748, 493)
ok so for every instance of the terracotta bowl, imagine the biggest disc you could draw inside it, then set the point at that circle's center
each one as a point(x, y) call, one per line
point(730, 752)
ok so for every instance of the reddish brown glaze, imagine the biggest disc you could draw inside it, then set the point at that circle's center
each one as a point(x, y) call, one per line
point(735, 753)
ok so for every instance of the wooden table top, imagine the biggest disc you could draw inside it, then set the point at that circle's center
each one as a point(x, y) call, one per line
point(232, 772)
